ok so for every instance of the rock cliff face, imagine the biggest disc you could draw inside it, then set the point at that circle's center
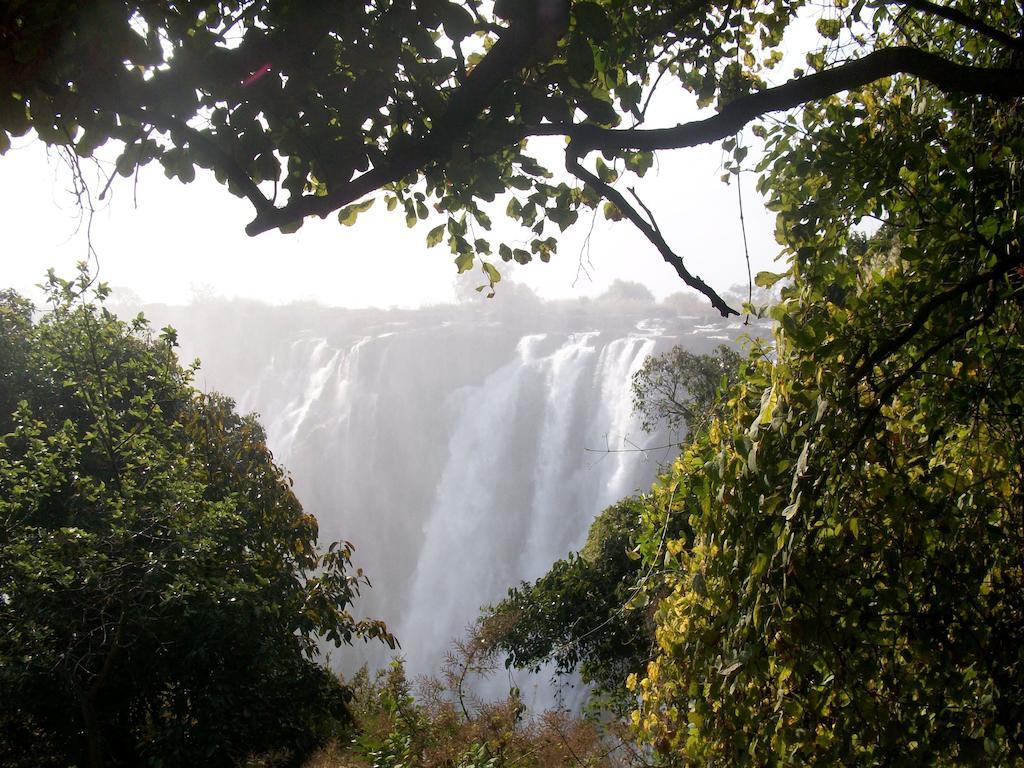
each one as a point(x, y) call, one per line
point(462, 449)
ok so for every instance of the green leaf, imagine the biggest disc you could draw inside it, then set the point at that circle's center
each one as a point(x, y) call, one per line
point(598, 110)
point(639, 162)
point(350, 213)
point(458, 22)
point(612, 212)
point(493, 276)
point(768, 279)
point(607, 174)
point(435, 235)
point(828, 28)
point(731, 669)
point(580, 59)
point(464, 262)
point(592, 22)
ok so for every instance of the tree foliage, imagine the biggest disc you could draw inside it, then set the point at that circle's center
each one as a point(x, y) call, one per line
point(580, 614)
point(162, 596)
point(430, 103)
point(427, 724)
point(845, 584)
point(679, 389)
point(851, 591)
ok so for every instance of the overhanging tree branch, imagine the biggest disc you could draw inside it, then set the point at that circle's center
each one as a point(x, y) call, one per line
point(204, 144)
point(145, 114)
point(471, 100)
point(944, 74)
point(513, 50)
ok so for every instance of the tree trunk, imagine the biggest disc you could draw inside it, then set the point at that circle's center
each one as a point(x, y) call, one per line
point(93, 729)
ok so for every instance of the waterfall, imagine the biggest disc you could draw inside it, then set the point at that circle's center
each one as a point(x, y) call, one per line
point(554, 476)
point(461, 452)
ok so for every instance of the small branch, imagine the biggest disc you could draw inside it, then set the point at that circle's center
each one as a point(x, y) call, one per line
point(224, 161)
point(650, 216)
point(925, 311)
point(957, 16)
point(633, 449)
point(650, 231)
point(746, 245)
point(654, 88)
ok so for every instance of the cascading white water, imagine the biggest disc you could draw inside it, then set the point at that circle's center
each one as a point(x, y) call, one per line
point(461, 452)
point(459, 562)
point(555, 477)
point(621, 359)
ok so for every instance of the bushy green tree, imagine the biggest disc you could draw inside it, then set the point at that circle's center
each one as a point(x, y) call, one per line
point(679, 389)
point(162, 596)
point(580, 614)
point(851, 592)
point(312, 109)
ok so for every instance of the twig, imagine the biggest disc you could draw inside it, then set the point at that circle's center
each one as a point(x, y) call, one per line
point(650, 231)
point(970, 22)
point(746, 246)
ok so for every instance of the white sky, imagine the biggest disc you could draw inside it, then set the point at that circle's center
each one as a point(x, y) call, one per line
point(176, 240)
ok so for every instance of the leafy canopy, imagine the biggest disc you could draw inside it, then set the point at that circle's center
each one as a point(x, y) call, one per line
point(851, 590)
point(579, 615)
point(161, 590)
point(310, 109)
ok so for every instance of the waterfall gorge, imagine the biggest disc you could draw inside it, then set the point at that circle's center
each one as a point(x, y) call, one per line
point(462, 449)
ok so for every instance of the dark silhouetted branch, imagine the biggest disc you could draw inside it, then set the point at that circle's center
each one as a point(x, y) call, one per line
point(649, 229)
point(235, 174)
point(513, 50)
point(957, 16)
point(944, 74)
